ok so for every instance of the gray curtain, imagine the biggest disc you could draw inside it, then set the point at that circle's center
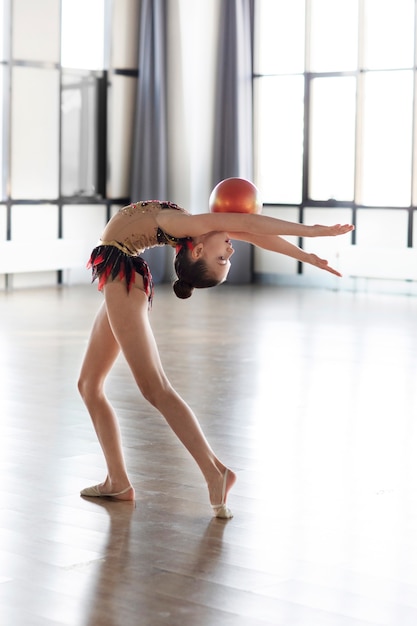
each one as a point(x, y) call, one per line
point(233, 139)
point(149, 177)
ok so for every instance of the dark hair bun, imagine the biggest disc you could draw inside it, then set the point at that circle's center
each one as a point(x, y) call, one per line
point(182, 289)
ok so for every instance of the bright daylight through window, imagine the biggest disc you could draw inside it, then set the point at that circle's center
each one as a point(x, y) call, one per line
point(334, 102)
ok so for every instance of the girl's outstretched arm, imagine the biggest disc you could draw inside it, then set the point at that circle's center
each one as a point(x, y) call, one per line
point(277, 244)
point(180, 225)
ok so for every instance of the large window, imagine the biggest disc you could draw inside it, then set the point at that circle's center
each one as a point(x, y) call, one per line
point(335, 114)
point(68, 81)
point(52, 72)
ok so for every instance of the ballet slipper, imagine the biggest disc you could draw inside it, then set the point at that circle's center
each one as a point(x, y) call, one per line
point(221, 510)
point(94, 492)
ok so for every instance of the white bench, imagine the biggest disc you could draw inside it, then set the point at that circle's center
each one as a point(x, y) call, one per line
point(41, 255)
point(381, 263)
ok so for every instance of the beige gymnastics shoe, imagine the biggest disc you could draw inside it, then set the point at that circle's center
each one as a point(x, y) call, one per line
point(221, 510)
point(94, 492)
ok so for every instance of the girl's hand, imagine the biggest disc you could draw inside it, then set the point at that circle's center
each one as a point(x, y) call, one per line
point(322, 264)
point(330, 231)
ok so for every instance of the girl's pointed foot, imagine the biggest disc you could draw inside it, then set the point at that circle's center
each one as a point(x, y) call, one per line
point(221, 510)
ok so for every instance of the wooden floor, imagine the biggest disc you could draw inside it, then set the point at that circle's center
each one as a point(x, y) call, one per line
point(310, 396)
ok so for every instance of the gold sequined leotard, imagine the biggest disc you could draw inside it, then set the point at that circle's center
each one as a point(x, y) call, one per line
point(129, 232)
point(134, 228)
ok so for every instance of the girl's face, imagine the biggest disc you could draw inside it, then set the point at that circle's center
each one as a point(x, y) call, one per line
point(215, 249)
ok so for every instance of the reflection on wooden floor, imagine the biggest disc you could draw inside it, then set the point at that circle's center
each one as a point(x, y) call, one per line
point(310, 396)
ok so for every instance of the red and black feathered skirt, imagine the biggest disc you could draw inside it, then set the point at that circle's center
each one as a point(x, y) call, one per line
point(107, 262)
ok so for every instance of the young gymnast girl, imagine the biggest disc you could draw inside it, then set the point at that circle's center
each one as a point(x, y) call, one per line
point(203, 251)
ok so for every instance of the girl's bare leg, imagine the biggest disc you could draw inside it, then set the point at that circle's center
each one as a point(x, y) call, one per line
point(102, 351)
point(129, 321)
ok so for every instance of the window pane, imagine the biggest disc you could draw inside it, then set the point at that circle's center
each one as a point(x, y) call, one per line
point(280, 36)
point(330, 248)
point(4, 26)
point(30, 223)
point(121, 120)
point(35, 34)
point(279, 131)
point(334, 35)
point(35, 133)
point(386, 139)
point(415, 229)
point(4, 144)
point(332, 138)
point(391, 231)
point(389, 34)
point(79, 134)
point(82, 44)
point(4, 98)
